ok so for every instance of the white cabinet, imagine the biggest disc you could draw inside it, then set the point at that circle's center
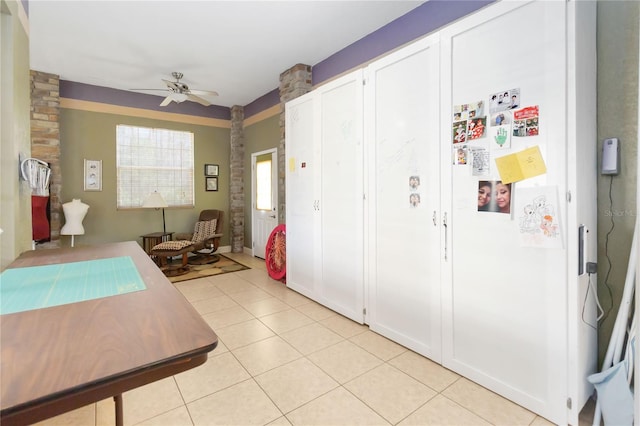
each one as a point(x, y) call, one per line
point(440, 277)
point(402, 123)
point(325, 195)
point(302, 180)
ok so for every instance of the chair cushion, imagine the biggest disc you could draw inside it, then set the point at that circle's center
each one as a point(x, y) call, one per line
point(204, 230)
point(172, 245)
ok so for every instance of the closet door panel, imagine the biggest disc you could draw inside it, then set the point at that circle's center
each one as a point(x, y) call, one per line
point(341, 204)
point(505, 304)
point(403, 256)
point(302, 165)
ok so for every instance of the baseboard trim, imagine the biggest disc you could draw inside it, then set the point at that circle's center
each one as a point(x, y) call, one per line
point(227, 249)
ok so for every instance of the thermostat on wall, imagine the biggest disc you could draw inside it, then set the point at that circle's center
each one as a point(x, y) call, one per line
point(610, 156)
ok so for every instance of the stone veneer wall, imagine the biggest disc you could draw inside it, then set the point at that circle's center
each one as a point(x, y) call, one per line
point(236, 184)
point(45, 141)
point(294, 82)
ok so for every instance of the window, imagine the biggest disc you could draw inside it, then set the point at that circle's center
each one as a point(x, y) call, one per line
point(263, 184)
point(149, 160)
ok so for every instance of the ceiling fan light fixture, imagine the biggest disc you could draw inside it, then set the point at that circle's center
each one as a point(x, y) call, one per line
point(179, 97)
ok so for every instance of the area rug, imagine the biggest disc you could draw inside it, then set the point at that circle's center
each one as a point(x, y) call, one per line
point(223, 266)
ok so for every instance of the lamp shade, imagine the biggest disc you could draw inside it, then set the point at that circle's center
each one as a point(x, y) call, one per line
point(154, 201)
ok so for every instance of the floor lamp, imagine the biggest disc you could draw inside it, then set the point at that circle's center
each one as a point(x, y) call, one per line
point(155, 201)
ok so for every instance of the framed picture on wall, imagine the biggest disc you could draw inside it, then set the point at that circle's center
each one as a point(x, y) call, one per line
point(212, 183)
point(211, 170)
point(92, 175)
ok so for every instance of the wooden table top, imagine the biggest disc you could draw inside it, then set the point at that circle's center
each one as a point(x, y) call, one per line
point(55, 358)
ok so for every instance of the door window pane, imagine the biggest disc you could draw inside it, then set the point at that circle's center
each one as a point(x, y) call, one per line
point(263, 185)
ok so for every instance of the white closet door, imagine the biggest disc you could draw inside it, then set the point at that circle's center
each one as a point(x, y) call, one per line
point(341, 201)
point(402, 98)
point(505, 322)
point(303, 164)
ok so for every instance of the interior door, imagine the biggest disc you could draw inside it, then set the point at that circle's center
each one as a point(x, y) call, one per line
point(341, 202)
point(302, 163)
point(505, 301)
point(264, 198)
point(402, 95)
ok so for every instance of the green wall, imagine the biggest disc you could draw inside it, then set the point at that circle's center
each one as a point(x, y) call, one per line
point(92, 135)
point(259, 136)
point(617, 44)
point(15, 133)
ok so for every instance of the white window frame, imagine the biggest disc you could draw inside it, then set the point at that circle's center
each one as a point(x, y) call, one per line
point(150, 159)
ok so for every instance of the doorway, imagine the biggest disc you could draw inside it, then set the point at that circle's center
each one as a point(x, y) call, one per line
point(264, 198)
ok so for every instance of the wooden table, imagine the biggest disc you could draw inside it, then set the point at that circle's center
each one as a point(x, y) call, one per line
point(60, 358)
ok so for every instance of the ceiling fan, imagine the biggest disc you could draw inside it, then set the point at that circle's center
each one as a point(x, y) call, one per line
point(180, 92)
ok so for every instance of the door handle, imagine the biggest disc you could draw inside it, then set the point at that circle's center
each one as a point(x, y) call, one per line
point(446, 234)
point(273, 216)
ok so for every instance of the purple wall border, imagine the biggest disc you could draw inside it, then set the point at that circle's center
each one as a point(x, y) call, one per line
point(262, 103)
point(422, 20)
point(88, 92)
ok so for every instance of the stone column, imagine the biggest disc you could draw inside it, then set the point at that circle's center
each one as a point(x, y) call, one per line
point(45, 141)
point(294, 82)
point(236, 184)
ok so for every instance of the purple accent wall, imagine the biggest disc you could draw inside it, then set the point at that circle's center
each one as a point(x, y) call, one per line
point(422, 20)
point(88, 92)
point(263, 102)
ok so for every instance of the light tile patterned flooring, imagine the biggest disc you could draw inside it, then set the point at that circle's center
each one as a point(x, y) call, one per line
point(283, 359)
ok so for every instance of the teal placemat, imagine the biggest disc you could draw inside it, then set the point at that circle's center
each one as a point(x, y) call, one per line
point(36, 287)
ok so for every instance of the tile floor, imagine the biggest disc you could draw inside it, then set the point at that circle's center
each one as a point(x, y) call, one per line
point(283, 359)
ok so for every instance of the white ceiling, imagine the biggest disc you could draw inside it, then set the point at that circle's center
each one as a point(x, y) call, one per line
point(237, 48)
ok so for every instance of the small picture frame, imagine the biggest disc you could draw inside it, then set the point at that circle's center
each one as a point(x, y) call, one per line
point(92, 175)
point(211, 183)
point(211, 170)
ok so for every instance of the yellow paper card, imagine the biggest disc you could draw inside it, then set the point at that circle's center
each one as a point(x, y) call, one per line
point(292, 164)
point(521, 165)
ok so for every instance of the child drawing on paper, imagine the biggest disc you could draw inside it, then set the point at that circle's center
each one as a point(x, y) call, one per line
point(530, 221)
point(549, 229)
point(539, 218)
point(538, 224)
point(541, 206)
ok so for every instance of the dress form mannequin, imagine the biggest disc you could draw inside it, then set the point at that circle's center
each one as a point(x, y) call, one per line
point(74, 213)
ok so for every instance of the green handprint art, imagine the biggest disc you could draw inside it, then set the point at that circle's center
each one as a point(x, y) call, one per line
point(501, 136)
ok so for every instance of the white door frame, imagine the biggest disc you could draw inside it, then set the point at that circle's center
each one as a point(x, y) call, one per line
point(274, 187)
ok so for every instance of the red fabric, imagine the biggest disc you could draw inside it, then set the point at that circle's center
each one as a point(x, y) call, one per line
point(40, 223)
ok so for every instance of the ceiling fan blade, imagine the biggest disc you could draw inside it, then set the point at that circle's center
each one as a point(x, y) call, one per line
point(198, 99)
point(148, 90)
point(166, 101)
point(203, 92)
